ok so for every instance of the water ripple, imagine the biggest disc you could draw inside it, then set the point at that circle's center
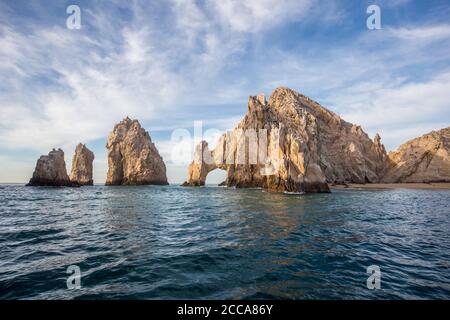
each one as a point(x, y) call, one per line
point(159, 242)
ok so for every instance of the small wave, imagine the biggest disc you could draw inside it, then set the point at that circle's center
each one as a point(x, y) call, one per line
point(293, 193)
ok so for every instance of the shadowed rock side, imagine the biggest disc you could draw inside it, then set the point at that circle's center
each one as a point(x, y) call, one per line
point(82, 166)
point(423, 159)
point(51, 171)
point(307, 146)
point(132, 157)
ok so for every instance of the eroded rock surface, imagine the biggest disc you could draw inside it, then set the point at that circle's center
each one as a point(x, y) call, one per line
point(291, 143)
point(51, 171)
point(423, 159)
point(132, 157)
point(82, 166)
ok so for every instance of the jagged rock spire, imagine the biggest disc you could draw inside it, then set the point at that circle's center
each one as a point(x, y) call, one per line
point(82, 165)
point(132, 157)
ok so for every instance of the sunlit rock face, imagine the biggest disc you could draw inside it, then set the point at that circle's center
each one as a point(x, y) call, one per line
point(132, 157)
point(51, 171)
point(82, 166)
point(291, 143)
point(423, 159)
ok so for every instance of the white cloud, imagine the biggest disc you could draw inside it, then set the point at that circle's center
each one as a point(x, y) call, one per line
point(427, 33)
point(71, 86)
point(62, 86)
point(406, 108)
point(366, 83)
point(258, 15)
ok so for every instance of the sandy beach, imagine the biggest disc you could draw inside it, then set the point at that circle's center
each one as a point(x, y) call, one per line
point(426, 186)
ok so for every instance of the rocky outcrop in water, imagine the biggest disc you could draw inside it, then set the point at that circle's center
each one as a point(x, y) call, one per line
point(82, 166)
point(51, 171)
point(423, 159)
point(132, 157)
point(291, 143)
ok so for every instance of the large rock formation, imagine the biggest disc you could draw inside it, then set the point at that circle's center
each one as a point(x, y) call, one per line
point(291, 143)
point(82, 166)
point(424, 159)
point(51, 171)
point(132, 157)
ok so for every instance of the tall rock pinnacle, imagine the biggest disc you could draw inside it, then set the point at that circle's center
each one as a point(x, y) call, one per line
point(132, 157)
point(82, 166)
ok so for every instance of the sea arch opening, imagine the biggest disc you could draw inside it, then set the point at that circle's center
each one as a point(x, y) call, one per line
point(216, 177)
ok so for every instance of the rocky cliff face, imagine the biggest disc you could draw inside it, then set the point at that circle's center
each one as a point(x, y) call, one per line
point(291, 143)
point(424, 159)
point(82, 166)
point(132, 157)
point(51, 171)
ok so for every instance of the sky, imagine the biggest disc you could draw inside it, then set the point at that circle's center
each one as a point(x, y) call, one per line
point(173, 63)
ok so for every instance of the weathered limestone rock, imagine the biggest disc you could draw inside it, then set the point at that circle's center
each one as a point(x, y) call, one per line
point(82, 166)
point(291, 143)
point(423, 159)
point(199, 169)
point(51, 171)
point(132, 157)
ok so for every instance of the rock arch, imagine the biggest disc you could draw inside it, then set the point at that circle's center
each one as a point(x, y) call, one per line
point(301, 147)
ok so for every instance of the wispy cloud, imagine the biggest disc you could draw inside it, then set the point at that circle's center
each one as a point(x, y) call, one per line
point(427, 33)
point(258, 15)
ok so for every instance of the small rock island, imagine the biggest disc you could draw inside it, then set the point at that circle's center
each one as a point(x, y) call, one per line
point(132, 160)
point(51, 171)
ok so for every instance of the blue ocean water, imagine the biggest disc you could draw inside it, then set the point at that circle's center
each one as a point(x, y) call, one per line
point(170, 242)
